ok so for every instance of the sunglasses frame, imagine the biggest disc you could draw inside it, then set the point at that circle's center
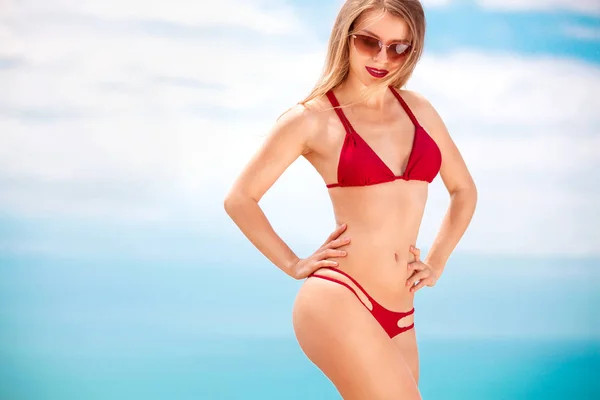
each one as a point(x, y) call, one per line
point(382, 46)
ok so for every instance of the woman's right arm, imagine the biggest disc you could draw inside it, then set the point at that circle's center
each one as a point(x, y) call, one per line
point(284, 144)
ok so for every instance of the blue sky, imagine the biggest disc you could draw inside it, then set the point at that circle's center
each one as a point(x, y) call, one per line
point(123, 125)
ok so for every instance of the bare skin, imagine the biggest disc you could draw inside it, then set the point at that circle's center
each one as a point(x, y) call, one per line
point(383, 222)
point(376, 228)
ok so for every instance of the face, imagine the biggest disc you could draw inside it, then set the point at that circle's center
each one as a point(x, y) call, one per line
point(380, 46)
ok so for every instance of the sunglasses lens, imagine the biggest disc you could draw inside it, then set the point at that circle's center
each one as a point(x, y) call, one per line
point(371, 47)
point(366, 45)
point(397, 51)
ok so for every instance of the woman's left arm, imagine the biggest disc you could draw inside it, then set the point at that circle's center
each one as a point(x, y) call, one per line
point(458, 182)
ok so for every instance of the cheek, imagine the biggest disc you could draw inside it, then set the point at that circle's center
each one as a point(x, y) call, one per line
point(357, 61)
point(395, 66)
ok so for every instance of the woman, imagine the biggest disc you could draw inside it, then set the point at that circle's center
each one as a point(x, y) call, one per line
point(377, 148)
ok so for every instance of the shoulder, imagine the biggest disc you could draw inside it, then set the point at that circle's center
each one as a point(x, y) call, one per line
point(308, 113)
point(305, 122)
point(424, 111)
point(417, 102)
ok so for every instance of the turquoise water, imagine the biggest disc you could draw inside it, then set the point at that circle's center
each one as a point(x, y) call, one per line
point(262, 368)
point(124, 329)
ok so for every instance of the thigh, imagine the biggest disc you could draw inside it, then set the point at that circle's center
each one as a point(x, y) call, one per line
point(407, 343)
point(341, 337)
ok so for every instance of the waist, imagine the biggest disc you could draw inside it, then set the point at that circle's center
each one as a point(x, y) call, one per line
point(385, 283)
point(381, 270)
point(385, 264)
point(379, 253)
point(388, 242)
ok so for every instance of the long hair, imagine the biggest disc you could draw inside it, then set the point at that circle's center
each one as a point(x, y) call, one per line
point(337, 63)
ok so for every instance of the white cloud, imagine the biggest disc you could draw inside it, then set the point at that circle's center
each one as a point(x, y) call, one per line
point(529, 131)
point(535, 93)
point(435, 3)
point(159, 126)
point(92, 116)
point(536, 196)
point(583, 6)
point(260, 16)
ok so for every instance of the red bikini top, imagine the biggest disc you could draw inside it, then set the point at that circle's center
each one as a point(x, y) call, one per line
point(359, 165)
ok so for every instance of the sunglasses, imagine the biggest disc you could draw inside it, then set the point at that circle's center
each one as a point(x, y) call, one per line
point(371, 46)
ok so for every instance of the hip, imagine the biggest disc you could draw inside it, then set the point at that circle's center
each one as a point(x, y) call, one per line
point(383, 277)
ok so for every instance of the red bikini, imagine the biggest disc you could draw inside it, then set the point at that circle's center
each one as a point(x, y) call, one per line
point(388, 319)
point(359, 165)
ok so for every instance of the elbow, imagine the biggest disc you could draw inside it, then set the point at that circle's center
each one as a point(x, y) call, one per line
point(471, 192)
point(232, 201)
point(471, 197)
point(229, 203)
point(474, 193)
point(466, 194)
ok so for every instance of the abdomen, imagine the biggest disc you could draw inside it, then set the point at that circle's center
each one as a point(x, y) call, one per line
point(383, 222)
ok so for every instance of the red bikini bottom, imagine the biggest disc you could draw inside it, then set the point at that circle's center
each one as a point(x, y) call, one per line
point(388, 319)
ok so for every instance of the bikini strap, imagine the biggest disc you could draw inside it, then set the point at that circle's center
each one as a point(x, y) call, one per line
point(407, 313)
point(406, 107)
point(374, 304)
point(328, 278)
point(336, 106)
point(353, 281)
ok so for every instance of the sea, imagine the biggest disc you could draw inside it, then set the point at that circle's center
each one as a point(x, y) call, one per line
point(91, 330)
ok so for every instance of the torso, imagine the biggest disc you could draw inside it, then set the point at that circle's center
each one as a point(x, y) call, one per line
point(383, 219)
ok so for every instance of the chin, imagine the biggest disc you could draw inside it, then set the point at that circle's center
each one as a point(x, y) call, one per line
point(369, 80)
point(363, 76)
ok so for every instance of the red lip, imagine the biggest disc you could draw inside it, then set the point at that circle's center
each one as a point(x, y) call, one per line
point(377, 73)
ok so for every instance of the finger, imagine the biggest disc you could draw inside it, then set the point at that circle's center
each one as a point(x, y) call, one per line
point(416, 266)
point(415, 251)
point(325, 263)
point(336, 233)
point(333, 253)
point(338, 242)
point(419, 285)
point(419, 276)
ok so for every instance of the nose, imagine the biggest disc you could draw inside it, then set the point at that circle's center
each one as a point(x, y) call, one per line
point(381, 57)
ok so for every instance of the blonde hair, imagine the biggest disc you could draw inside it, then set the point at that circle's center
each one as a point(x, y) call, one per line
point(337, 63)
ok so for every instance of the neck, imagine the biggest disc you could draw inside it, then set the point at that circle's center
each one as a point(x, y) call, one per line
point(352, 88)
